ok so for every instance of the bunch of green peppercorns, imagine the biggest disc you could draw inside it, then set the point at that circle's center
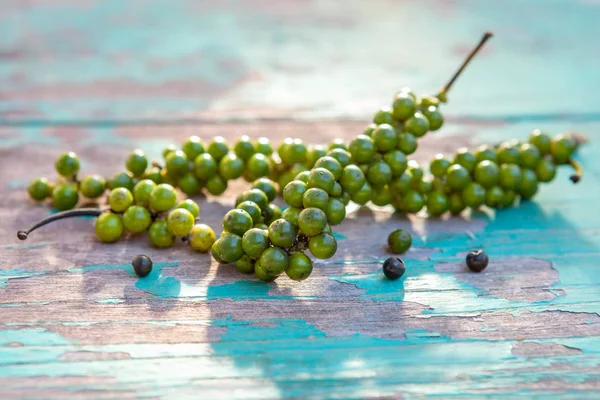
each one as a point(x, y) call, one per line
point(316, 182)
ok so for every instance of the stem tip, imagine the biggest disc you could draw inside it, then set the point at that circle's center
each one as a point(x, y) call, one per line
point(22, 235)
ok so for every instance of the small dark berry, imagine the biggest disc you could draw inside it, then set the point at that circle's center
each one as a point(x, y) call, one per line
point(393, 268)
point(142, 265)
point(575, 178)
point(477, 260)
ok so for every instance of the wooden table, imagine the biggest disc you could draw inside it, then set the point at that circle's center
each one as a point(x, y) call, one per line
point(104, 77)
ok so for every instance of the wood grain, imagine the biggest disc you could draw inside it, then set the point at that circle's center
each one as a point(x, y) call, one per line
point(75, 323)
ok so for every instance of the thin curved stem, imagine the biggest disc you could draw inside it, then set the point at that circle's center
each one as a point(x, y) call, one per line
point(578, 175)
point(443, 92)
point(80, 212)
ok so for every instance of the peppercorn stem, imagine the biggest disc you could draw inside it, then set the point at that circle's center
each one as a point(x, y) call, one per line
point(80, 212)
point(576, 177)
point(443, 92)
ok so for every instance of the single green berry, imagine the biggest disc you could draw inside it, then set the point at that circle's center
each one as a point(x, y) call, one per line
point(412, 202)
point(322, 246)
point(529, 155)
point(362, 148)
point(192, 147)
point(311, 221)
point(163, 197)
point(439, 166)
point(244, 148)
point(363, 195)
point(267, 186)
point(336, 211)
point(541, 140)
point(437, 203)
point(136, 162)
point(191, 206)
point(217, 148)
point(473, 195)
point(65, 196)
point(315, 197)
point(494, 197)
point(529, 184)
point(383, 116)
point(465, 158)
point(67, 165)
point(282, 233)
point(40, 189)
point(486, 152)
point(262, 145)
point(487, 173)
point(109, 227)
point(397, 162)
point(231, 167)
point(418, 125)
point(434, 117)
point(457, 177)
point(510, 176)
point(216, 185)
point(299, 267)
point(205, 166)
point(189, 184)
point(237, 221)
point(562, 148)
point(120, 179)
point(160, 236)
point(384, 138)
point(245, 265)
point(180, 222)
point(407, 143)
point(508, 154)
point(255, 241)
point(92, 186)
point(403, 106)
point(321, 178)
point(201, 238)
point(229, 247)
point(274, 261)
point(177, 163)
point(136, 219)
point(142, 190)
point(545, 170)
point(399, 241)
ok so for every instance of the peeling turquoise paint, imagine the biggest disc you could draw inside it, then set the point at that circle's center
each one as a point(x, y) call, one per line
point(339, 236)
point(17, 184)
point(30, 303)
point(110, 301)
point(27, 246)
point(6, 275)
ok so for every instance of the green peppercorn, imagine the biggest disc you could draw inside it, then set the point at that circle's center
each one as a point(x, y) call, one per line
point(136, 219)
point(65, 196)
point(274, 261)
point(40, 189)
point(201, 238)
point(255, 241)
point(282, 233)
point(191, 206)
point(109, 227)
point(67, 164)
point(322, 246)
point(299, 267)
point(136, 162)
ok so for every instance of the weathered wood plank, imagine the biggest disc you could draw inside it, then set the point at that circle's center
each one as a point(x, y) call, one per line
point(74, 322)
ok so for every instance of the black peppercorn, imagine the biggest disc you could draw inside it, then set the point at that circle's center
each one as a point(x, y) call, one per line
point(477, 260)
point(393, 268)
point(142, 265)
